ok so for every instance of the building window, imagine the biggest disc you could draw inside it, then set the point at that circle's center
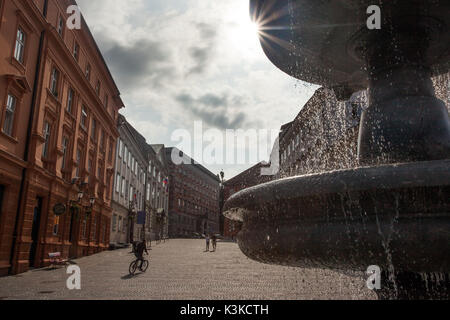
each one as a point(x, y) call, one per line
point(78, 163)
point(9, 115)
point(47, 132)
point(100, 171)
point(120, 224)
point(84, 117)
point(123, 185)
point(118, 183)
point(106, 101)
point(60, 27)
point(120, 148)
point(19, 51)
point(84, 228)
point(65, 145)
point(114, 222)
point(94, 129)
point(102, 140)
point(97, 87)
point(54, 82)
point(56, 226)
point(69, 100)
point(110, 153)
point(76, 50)
point(94, 227)
point(88, 72)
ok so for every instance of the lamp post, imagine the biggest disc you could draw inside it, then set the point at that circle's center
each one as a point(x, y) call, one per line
point(221, 203)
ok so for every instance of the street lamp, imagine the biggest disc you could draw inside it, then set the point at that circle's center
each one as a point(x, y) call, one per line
point(221, 203)
point(80, 195)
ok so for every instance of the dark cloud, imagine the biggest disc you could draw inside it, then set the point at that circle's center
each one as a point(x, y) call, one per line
point(214, 101)
point(207, 31)
point(202, 55)
point(214, 110)
point(144, 61)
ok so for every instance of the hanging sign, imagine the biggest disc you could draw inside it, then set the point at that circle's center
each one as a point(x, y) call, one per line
point(59, 209)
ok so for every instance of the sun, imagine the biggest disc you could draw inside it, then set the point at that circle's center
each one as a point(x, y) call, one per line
point(243, 33)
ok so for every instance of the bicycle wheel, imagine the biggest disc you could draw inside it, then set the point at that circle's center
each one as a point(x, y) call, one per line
point(144, 266)
point(133, 267)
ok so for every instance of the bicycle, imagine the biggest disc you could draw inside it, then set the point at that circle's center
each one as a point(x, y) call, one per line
point(134, 266)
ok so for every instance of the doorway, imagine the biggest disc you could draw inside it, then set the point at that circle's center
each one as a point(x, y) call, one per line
point(35, 231)
point(2, 190)
point(74, 232)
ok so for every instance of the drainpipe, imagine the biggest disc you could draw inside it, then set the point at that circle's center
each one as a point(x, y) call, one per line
point(28, 138)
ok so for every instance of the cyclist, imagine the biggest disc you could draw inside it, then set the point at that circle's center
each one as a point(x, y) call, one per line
point(139, 252)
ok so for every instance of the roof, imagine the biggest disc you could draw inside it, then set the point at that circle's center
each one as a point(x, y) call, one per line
point(168, 153)
point(245, 172)
point(89, 33)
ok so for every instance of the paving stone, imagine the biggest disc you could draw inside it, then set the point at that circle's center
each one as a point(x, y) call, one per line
point(179, 269)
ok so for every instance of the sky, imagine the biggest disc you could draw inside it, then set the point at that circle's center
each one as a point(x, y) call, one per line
point(177, 62)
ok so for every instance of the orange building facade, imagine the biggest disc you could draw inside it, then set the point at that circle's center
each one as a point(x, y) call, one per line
point(58, 115)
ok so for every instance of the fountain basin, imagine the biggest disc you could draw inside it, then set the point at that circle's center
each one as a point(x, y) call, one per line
point(393, 216)
point(328, 42)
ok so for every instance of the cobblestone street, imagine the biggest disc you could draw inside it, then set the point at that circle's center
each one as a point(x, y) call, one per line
point(180, 269)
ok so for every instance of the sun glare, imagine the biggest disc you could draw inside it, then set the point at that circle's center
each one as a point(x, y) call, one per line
point(243, 32)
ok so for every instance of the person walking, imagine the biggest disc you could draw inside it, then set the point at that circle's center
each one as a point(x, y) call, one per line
point(207, 242)
point(214, 242)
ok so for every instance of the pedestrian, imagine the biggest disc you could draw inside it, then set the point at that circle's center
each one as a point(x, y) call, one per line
point(214, 242)
point(207, 242)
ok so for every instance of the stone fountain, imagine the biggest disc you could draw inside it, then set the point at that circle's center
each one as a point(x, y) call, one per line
point(394, 210)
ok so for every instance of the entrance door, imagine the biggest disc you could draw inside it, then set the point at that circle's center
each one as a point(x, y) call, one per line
point(2, 189)
point(73, 233)
point(35, 231)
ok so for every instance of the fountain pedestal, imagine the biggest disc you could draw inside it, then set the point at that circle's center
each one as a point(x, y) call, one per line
point(405, 121)
point(394, 211)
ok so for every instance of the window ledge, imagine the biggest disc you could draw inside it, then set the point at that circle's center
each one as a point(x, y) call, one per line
point(11, 139)
point(48, 161)
point(71, 116)
point(19, 65)
point(53, 96)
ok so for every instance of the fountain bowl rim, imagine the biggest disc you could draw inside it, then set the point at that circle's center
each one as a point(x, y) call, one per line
point(393, 176)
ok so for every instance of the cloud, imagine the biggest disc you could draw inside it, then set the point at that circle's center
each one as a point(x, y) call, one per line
point(179, 61)
point(207, 31)
point(202, 54)
point(214, 110)
point(144, 61)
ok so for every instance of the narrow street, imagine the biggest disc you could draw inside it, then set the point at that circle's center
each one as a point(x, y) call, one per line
point(180, 269)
